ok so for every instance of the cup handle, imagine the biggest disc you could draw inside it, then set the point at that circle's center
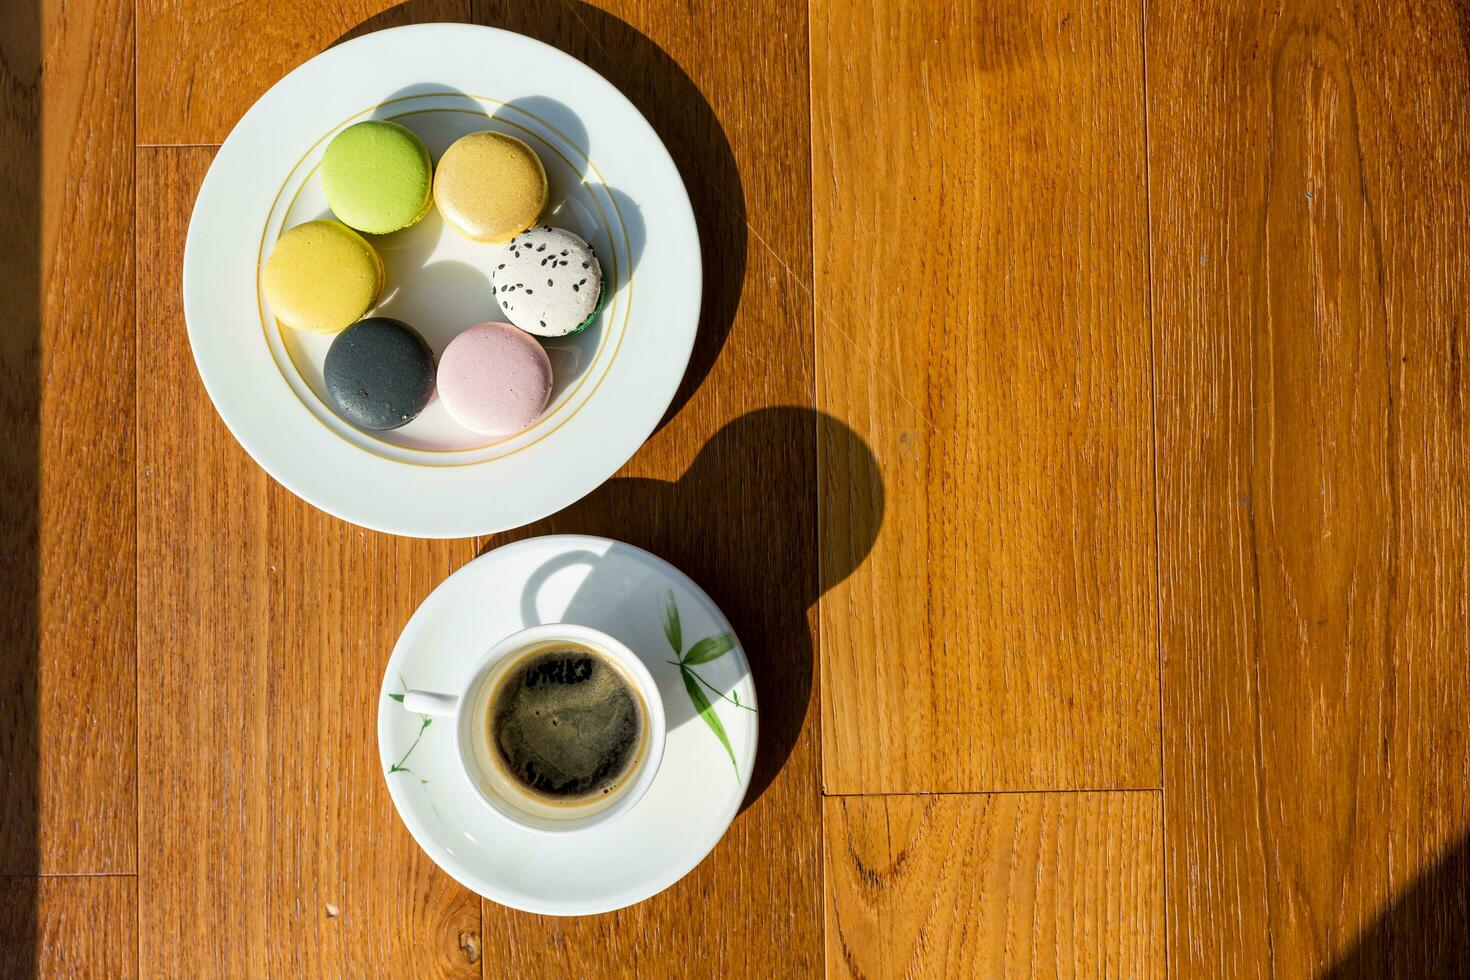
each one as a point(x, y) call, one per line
point(430, 703)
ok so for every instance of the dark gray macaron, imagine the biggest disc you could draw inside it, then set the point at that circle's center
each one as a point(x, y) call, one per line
point(379, 373)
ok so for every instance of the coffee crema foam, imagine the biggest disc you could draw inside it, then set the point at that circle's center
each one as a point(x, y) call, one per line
point(566, 724)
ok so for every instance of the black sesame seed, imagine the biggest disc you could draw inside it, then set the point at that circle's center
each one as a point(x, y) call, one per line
point(542, 248)
point(529, 292)
point(576, 287)
point(548, 282)
point(543, 323)
point(584, 265)
point(500, 266)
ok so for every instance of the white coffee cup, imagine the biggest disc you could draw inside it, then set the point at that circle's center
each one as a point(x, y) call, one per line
point(503, 796)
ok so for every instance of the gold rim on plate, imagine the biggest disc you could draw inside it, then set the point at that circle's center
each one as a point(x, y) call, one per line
point(611, 312)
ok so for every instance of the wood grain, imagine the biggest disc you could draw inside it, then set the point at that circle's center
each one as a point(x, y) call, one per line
point(263, 628)
point(980, 235)
point(73, 926)
point(1014, 885)
point(1310, 173)
point(202, 64)
point(67, 722)
point(973, 244)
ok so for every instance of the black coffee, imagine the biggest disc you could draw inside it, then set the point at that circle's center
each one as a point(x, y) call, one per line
point(566, 724)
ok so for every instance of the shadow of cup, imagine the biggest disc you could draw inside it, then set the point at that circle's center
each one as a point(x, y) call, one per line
point(742, 523)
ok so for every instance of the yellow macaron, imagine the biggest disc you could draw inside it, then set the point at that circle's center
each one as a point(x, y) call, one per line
point(490, 187)
point(322, 277)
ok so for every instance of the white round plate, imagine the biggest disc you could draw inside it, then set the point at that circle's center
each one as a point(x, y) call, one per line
point(612, 182)
point(623, 591)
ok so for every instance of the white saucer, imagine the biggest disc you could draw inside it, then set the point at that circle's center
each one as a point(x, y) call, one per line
point(611, 181)
point(623, 591)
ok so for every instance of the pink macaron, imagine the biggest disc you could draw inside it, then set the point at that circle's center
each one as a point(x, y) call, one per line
point(494, 378)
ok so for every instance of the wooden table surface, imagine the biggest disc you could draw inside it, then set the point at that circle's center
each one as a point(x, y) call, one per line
point(1076, 437)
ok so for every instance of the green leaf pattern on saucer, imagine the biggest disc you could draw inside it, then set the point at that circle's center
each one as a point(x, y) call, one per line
point(424, 722)
point(702, 652)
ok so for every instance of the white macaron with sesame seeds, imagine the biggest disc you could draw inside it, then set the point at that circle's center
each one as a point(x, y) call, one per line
point(548, 282)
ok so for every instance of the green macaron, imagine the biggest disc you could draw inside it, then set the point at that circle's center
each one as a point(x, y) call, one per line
point(378, 177)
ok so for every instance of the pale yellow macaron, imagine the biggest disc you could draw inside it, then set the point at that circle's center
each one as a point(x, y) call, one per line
point(490, 187)
point(322, 277)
